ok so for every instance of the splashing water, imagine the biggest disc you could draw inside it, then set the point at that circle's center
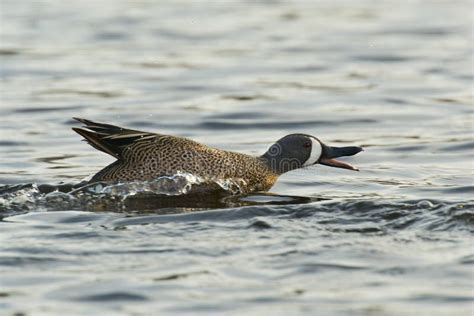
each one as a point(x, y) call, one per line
point(107, 196)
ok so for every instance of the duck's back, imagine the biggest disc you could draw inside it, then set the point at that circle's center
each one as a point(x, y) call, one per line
point(165, 155)
point(146, 156)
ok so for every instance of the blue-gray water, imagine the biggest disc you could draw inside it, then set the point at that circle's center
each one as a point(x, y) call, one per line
point(394, 77)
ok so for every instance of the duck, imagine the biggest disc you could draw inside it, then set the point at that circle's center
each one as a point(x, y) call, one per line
point(144, 156)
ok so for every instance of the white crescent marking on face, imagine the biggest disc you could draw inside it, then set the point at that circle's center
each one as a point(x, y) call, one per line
point(316, 150)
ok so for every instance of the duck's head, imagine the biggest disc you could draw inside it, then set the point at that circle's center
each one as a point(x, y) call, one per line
point(300, 150)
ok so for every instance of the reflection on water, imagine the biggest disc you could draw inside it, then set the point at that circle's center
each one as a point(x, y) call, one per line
point(395, 78)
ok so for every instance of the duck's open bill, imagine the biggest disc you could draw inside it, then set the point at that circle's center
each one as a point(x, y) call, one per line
point(329, 153)
point(337, 164)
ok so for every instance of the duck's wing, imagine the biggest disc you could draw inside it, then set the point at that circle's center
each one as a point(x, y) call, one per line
point(108, 138)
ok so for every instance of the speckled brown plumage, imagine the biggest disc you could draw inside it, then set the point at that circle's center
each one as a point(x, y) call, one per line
point(146, 156)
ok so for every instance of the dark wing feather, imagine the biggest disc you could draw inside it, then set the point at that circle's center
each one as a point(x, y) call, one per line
point(108, 138)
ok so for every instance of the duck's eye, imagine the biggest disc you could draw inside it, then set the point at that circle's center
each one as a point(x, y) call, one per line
point(307, 145)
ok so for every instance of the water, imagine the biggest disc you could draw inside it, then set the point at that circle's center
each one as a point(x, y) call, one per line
point(394, 238)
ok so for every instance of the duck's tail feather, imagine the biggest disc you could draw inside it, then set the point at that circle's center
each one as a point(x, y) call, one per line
point(108, 138)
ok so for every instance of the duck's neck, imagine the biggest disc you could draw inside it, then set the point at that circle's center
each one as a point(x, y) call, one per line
point(279, 165)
